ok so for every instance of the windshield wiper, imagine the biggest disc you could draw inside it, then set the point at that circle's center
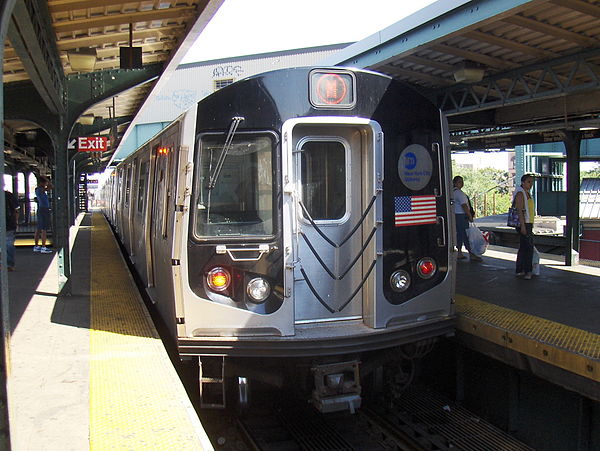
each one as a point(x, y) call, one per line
point(235, 122)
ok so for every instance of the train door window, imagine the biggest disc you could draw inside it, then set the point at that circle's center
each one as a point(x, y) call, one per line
point(160, 189)
point(121, 185)
point(167, 180)
point(234, 190)
point(142, 187)
point(323, 177)
point(127, 185)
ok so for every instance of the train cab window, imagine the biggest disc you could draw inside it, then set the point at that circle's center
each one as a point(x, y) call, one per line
point(234, 186)
point(323, 177)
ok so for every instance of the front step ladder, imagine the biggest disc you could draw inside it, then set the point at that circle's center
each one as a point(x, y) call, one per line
point(212, 382)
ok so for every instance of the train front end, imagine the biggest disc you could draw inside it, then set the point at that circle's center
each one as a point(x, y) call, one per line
point(317, 229)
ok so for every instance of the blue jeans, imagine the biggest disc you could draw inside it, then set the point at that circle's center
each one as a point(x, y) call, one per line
point(525, 253)
point(462, 224)
point(10, 248)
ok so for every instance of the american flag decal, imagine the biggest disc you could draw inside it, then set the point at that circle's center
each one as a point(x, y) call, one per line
point(414, 210)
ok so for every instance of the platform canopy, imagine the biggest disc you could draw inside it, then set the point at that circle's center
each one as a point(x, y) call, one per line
point(87, 65)
point(503, 71)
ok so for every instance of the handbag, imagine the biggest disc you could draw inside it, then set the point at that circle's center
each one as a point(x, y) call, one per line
point(513, 216)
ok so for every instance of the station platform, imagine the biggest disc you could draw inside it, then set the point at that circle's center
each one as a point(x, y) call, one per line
point(88, 370)
point(547, 325)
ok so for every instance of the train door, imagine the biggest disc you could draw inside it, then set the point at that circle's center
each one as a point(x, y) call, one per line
point(131, 194)
point(159, 207)
point(334, 227)
point(164, 154)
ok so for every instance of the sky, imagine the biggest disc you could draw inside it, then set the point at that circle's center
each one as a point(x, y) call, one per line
point(247, 27)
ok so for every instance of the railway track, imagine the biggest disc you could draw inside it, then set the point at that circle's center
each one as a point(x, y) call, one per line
point(303, 428)
point(419, 420)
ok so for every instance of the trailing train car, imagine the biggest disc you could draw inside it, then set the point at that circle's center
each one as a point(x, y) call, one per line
point(295, 228)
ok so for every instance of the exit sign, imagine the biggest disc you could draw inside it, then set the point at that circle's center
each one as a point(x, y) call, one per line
point(92, 144)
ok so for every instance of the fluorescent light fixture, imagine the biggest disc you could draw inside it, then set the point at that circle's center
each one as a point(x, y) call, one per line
point(87, 119)
point(468, 72)
point(82, 60)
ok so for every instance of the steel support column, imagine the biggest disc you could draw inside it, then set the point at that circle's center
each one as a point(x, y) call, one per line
point(6, 7)
point(572, 141)
point(61, 215)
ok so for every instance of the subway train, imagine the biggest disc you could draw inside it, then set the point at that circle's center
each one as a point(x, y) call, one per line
point(294, 229)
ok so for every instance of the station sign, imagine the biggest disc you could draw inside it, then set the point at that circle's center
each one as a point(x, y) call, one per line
point(92, 144)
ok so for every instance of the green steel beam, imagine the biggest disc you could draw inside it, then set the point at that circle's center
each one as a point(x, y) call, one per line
point(85, 90)
point(22, 101)
point(98, 126)
point(539, 81)
point(433, 23)
point(30, 33)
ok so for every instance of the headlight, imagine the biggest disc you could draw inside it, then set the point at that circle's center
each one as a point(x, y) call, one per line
point(258, 289)
point(400, 281)
point(218, 279)
point(426, 268)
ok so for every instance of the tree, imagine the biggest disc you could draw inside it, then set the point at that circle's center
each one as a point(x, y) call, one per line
point(592, 174)
point(488, 189)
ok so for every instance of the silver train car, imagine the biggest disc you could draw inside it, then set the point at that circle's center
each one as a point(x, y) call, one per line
point(295, 228)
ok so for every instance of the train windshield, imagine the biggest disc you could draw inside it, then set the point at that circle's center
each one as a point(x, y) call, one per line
point(234, 186)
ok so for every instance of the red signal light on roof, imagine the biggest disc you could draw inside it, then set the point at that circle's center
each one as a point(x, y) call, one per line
point(332, 89)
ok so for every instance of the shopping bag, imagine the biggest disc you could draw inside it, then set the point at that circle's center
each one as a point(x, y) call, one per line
point(477, 241)
point(535, 261)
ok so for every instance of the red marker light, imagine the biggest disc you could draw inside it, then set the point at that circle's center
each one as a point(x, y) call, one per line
point(218, 279)
point(426, 268)
point(163, 151)
point(332, 88)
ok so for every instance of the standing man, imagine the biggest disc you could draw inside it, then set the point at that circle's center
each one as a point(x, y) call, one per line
point(43, 214)
point(12, 218)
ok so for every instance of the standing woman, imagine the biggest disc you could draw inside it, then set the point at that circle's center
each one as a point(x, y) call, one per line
point(526, 208)
point(463, 215)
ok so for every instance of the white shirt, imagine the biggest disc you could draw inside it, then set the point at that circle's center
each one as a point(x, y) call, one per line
point(460, 198)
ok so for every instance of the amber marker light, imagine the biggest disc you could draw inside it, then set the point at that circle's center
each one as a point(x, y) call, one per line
point(218, 279)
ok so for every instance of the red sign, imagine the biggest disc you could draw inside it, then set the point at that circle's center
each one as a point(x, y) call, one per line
point(92, 144)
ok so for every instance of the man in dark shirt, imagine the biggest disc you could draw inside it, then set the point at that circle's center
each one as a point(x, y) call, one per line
point(12, 216)
point(43, 215)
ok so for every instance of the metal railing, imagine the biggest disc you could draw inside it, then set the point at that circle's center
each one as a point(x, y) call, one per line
point(28, 216)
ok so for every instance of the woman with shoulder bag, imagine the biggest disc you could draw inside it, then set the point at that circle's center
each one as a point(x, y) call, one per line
point(526, 208)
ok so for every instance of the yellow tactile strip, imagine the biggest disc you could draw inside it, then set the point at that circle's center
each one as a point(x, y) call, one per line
point(569, 348)
point(136, 398)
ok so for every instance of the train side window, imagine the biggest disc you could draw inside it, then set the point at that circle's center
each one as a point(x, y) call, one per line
point(142, 187)
point(323, 178)
point(127, 185)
